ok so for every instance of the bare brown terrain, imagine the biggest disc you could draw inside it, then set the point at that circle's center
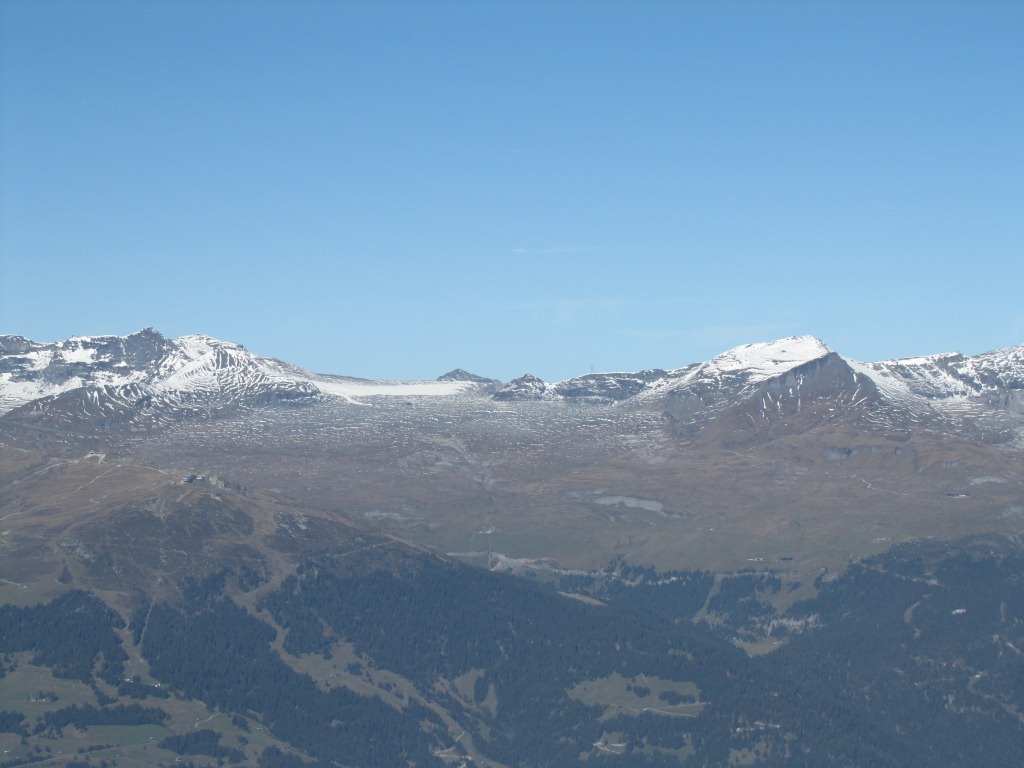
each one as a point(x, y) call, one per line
point(778, 456)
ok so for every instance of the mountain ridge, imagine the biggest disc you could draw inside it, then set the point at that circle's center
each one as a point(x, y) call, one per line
point(157, 366)
point(653, 465)
point(181, 515)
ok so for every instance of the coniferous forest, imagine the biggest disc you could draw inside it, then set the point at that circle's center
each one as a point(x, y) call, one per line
point(908, 659)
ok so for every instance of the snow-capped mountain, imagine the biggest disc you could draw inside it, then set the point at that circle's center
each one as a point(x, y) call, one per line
point(144, 372)
point(147, 379)
point(996, 377)
point(731, 371)
point(30, 370)
point(800, 369)
point(785, 442)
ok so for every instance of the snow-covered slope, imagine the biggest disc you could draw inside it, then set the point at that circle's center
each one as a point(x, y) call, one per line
point(758, 362)
point(741, 369)
point(776, 387)
point(143, 368)
point(994, 377)
point(731, 372)
point(147, 378)
point(146, 374)
point(997, 377)
point(31, 370)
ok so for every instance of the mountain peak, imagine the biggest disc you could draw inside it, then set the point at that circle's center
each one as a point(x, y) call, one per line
point(771, 358)
point(148, 332)
point(462, 375)
point(526, 387)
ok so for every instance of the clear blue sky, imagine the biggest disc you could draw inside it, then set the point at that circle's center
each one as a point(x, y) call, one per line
point(394, 189)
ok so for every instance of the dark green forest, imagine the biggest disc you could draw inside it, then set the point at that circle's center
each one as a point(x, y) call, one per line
point(912, 658)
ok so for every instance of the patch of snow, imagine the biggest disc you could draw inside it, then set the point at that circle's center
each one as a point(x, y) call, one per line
point(357, 388)
point(631, 502)
point(77, 354)
point(937, 376)
point(39, 359)
point(771, 358)
point(14, 393)
point(980, 480)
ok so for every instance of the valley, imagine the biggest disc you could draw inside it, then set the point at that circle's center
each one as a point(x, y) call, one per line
point(774, 557)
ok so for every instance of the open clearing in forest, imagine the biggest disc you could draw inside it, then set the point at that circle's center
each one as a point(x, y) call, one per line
point(632, 696)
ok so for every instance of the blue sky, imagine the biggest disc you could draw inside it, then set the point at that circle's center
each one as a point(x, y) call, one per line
point(394, 189)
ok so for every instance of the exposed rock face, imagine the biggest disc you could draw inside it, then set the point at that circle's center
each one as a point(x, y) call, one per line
point(482, 383)
point(527, 387)
point(591, 388)
point(996, 378)
point(608, 387)
point(752, 392)
point(92, 359)
point(139, 380)
point(460, 375)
